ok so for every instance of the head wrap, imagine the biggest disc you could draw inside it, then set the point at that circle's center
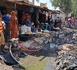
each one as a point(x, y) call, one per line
point(13, 13)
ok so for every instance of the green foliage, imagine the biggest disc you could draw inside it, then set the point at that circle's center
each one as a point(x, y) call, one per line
point(74, 7)
point(64, 5)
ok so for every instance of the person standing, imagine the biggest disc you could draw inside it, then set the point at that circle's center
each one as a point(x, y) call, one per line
point(28, 20)
point(13, 25)
point(23, 18)
point(6, 19)
point(2, 40)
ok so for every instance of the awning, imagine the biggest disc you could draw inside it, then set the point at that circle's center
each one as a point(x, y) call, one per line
point(26, 4)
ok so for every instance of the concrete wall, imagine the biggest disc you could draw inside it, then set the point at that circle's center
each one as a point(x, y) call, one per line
point(62, 16)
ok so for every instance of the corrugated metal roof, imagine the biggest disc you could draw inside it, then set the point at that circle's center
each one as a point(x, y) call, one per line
point(26, 4)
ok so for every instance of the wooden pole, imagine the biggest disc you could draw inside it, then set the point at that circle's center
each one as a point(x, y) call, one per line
point(15, 5)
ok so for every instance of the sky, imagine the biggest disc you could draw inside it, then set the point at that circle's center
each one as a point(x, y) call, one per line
point(49, 5)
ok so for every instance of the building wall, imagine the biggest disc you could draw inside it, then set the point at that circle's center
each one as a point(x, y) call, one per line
point(54, 16)
point(62, 16)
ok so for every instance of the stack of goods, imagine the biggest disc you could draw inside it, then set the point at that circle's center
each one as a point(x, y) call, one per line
point(29, 32)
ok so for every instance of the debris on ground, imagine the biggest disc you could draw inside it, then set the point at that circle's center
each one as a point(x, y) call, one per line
point(5, 67)
point(62, 41)
point(67, 57)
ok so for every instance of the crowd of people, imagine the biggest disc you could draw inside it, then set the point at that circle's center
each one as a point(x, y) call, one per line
point(71, 22)
point(9, 27)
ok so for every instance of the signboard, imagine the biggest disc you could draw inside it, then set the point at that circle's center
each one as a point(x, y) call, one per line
point(31, 1)
point(19, 0)
point(43, 5)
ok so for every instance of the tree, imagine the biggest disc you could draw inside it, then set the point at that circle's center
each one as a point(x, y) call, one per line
point(74, 7)
point(64, 5)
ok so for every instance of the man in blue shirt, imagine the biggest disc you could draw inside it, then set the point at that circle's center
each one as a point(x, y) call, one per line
point(6, 19)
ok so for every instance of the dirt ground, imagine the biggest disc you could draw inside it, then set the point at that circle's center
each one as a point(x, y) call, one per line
point(5, 67)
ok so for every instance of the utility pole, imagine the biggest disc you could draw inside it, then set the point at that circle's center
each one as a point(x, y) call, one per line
point(15, 5)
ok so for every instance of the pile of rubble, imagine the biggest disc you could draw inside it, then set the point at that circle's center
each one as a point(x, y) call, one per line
point(53, 37)
point(66, 42)
point(62, 37)
point(67, 57)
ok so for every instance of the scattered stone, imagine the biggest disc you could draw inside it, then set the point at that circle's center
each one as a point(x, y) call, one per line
point(67, 57)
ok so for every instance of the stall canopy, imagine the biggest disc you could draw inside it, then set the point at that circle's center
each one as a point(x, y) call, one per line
point(12, 4)
point(22, 3)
